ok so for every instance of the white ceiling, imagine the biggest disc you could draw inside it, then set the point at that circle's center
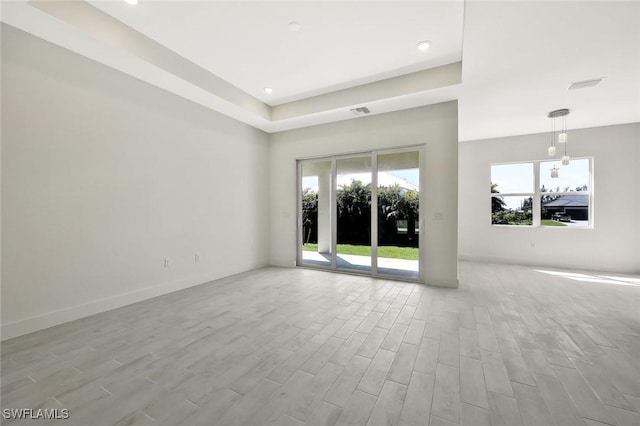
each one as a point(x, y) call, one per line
point(518, 58)
point(339, 44)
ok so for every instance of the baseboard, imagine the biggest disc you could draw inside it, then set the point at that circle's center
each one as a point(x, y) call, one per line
point(491, 259)
point(51, 319)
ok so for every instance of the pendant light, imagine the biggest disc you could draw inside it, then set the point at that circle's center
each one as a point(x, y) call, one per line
point(562, 137)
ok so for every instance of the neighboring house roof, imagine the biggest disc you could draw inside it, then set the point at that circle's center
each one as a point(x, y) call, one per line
point(577, 200)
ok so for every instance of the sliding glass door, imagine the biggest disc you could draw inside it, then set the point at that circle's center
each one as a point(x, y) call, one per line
point(315, 213)
point(360, 213)
point(398, 213)
point(353, 213)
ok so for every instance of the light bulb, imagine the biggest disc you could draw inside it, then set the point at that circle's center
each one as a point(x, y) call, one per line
point(562, 137)
point(554, 173)
point(552, 151)
point(565, 160)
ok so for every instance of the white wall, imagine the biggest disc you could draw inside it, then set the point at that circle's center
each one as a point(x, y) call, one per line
point(614, 242)
point(435, 125)
point(104, 176)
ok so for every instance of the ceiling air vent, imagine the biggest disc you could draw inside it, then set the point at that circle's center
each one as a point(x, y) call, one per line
point(587, 83)
point(360, 111)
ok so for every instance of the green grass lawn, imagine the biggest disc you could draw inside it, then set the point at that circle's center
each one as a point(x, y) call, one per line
point(393, 252)
point(549, 222)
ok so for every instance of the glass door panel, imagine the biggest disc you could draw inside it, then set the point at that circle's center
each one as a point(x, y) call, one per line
point(398, 214)
point(353, 213)
point(315, 213)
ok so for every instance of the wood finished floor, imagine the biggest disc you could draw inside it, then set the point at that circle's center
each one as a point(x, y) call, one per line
point(512, 346)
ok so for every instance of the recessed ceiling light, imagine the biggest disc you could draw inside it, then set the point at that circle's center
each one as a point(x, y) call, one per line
point(423, 45)
point(294, 26)
point(268, 89)
point(587, 83)
point(131, 1)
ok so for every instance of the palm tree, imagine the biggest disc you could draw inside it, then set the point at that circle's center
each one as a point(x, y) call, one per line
point(497, 203)
point(309, 215)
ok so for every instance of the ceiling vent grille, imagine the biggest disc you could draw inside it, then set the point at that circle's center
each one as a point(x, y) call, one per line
point(586, 83)
point(360, 111)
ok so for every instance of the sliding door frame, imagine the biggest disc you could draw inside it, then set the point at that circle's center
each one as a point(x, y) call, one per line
point(373, 155)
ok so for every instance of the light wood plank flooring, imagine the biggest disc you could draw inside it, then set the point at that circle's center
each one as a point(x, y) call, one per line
point(512, 346)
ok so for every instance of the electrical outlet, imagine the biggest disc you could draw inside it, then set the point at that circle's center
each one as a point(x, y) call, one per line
point(438, 216)
point(166, 263)
point(197, 257)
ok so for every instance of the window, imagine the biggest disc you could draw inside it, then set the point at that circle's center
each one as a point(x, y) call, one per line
point(563, 201)
point(515, 184)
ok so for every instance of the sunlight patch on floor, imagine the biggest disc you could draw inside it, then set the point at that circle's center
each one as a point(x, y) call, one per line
point(602, 279)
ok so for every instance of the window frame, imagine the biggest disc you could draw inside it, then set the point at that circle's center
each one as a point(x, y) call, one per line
point(537, 195)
